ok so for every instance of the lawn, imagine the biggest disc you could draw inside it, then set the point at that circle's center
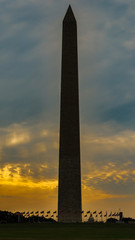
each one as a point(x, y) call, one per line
point(51, 231)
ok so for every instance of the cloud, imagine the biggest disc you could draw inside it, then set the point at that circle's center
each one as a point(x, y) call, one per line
point(14, 135)
point(111, 178)
point(27, 49)
point(11, 175)
point(105, 62)
point(108, 160)
point(91, 194)
point(123, 114)
point(30, 60)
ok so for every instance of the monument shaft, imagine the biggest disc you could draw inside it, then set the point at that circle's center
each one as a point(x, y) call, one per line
point(69, 192)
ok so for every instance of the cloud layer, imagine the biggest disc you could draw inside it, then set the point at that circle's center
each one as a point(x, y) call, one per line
point(30, 63)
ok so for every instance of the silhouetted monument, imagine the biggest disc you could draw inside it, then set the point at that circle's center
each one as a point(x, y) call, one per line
point(69, 192)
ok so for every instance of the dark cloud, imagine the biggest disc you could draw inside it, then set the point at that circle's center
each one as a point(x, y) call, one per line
point(25, 76)
point(124, 114)
point(113, 187)
point(30, 62)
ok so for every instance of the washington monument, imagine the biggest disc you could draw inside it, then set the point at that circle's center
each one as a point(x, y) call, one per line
point(69, 191)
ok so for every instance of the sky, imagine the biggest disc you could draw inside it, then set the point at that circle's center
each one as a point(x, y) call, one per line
point(30, 75)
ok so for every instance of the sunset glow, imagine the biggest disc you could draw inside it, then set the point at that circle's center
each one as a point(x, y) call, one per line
point(30, 63)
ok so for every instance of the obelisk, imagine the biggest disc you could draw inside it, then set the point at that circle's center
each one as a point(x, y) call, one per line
point(69, 190)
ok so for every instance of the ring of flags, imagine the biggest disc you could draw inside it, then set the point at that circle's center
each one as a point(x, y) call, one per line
point(88, 214)
point(95, 214)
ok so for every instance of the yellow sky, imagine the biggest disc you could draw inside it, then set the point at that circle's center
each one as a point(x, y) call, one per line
point(20, 193)
point(29, 170)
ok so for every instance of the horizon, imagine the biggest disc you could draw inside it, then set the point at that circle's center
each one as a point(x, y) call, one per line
point(31, 46)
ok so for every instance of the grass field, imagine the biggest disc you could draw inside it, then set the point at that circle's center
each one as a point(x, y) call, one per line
point(66, 231)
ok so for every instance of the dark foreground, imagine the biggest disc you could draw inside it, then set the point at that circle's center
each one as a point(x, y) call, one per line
point(53, 231)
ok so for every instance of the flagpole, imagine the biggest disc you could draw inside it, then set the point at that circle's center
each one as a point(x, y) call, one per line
point(82, 212)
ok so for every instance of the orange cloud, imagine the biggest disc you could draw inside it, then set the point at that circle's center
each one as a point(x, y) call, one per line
point(109, 172)
point(91, 194)
point(125, 139)
point(14, 135)
point(10, 175)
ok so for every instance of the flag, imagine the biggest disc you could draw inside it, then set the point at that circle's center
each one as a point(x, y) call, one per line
point(48, 212)
point(110, 214)
point(42, 212)
point(95, 212)
point(88, 212)
point(105, 214)
point(54, 212)
point(100, 212)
